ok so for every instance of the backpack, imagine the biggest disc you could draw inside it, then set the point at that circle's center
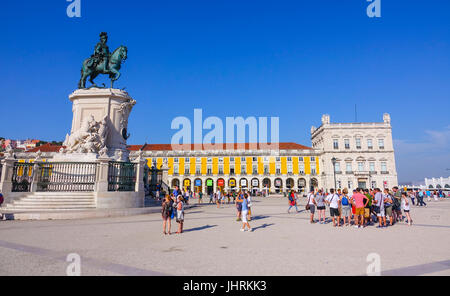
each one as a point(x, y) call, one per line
point(344, 201)
point(1, 199)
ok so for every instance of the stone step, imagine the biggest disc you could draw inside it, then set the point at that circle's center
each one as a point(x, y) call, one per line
point(59, 202)
point(59, 194)
point(46, 207)
point(29, 199)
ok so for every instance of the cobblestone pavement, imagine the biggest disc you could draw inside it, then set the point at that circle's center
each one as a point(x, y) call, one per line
point(281, 244)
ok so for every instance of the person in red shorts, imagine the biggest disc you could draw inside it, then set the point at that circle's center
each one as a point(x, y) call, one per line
point(360, 202)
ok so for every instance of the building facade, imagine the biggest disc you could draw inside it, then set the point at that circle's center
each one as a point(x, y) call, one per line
point(292, 166)
point(356, 154)
point(437, 183)
point(363, 156)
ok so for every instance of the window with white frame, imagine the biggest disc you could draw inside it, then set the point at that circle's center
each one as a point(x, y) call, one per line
point(243, 169)
point(372, 166)
point(175, 169)
point(383, 166)
point(198, 170)
point(187, 160)
point(361, 166)
point(221, 169)
point(301, 168)
point(347, 143)
point(337, 167)
point(289, 168)
point(313, 169)
point(348, 167)
point(369, 144)
point(209, 169)
point(358, 143)
point(278, 168)
point(381, 143)
point(335, 143)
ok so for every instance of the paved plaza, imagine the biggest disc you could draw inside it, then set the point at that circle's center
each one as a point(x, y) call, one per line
point(281, 244)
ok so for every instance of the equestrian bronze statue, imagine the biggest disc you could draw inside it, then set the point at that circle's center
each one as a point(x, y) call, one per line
point(103, 62)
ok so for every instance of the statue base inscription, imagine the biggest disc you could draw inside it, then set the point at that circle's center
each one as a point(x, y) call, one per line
point(99, 125)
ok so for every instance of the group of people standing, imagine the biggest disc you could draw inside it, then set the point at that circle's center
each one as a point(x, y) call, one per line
point(363, 207)
point(173, 207)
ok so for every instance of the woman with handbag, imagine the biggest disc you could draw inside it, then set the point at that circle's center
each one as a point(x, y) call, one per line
point(166, 212)
point(311, 205)
point(292, 201)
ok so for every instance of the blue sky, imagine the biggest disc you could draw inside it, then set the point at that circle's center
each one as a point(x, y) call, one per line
point(292, 59)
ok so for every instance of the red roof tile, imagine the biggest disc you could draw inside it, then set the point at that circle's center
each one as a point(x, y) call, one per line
point(168, 147)
point(46, 148)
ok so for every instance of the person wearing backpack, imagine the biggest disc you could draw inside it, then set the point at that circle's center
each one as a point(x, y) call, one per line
point(292, 201)
point(166, 212)
point(346, 207)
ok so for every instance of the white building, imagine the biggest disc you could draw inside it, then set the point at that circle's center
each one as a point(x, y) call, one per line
point(437, 183)
point(363, 154)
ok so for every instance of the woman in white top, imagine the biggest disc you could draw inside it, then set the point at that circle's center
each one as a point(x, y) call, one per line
point(312, 205)
point(180, 214)
point(405, 207)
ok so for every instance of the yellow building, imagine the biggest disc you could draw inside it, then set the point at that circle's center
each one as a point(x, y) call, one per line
point(291, 166)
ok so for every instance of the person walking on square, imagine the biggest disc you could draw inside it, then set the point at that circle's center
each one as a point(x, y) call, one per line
point(200, 196)
point(166, 212)
point(249, 205)
point(180, 214)
point(292, 201)
point(238, 203)
point(405, 207)
point(412, 196)
point(420, 196)
point(244, 214)
point(334, 203)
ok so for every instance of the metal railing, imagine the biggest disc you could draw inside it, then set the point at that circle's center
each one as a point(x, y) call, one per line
point(121, 176)
point(22, 177)
point(66, 177)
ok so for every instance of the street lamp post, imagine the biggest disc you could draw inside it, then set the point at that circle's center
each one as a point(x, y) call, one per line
point(333, 160)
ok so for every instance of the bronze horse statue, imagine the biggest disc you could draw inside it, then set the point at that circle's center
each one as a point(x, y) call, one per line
point(114, 64)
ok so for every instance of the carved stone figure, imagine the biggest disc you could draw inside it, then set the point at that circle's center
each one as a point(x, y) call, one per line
point(125, 110)
point(89, 138)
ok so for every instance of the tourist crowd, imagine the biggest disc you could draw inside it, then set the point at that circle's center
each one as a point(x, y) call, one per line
point(364, 207)
point(358, 208)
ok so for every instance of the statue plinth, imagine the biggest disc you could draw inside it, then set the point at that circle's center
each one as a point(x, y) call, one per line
point(99, 125)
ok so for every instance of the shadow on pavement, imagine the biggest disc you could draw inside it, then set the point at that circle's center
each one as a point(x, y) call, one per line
point(199, 228)
point(263, 226)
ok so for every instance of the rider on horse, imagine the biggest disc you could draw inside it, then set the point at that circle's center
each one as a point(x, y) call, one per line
point(101, 53)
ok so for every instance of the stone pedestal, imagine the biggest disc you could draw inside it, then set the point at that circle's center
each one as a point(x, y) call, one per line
point(112, 106)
